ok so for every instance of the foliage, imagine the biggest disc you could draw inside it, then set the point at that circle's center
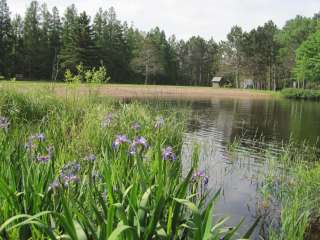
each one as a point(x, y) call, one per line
point(88, 76)
point(295, 184)
point(66, 172)
point(307, 59)
point(301, 93)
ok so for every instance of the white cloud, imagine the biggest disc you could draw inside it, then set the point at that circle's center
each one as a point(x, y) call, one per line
point(208, 18)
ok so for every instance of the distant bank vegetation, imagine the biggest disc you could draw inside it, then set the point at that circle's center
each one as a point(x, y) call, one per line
point(294, 93)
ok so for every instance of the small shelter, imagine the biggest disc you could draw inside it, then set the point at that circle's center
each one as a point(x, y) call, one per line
point(216, 82)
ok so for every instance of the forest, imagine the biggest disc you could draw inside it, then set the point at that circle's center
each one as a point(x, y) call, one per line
point(43, 44)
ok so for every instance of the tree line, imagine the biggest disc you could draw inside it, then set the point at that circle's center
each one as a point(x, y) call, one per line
point(42, 45)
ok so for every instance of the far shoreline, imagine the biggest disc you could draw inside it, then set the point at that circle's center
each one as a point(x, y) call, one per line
point(124, 91)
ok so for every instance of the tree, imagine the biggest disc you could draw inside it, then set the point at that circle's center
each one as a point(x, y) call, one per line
point(307, 66)
point(55, 39)
point(17, 45)
point(148, 62)
point(260, 51)
point(292, 35)
point(32, 41)
point(5, 38)
point(235, 40)
point(111, 42)
point(78, 46)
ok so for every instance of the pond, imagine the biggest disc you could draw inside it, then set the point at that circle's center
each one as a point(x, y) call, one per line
point(214, 124)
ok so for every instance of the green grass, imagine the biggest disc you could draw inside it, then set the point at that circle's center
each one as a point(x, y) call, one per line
point(117, 195)
point(294, 182)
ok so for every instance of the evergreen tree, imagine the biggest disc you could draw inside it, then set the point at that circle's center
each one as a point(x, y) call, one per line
point(5, 39)
point(111, 42)
point(55, 37)
point(79, 45)
point(32, 41)
point(17, 45)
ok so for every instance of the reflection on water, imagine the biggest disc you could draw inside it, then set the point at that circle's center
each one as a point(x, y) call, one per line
point(214, 124)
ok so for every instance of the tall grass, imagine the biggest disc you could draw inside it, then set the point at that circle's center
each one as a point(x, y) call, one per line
point(293, 181)
point(66, 173)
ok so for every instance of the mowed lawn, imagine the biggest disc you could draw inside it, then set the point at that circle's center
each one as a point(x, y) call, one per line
point(144, 91)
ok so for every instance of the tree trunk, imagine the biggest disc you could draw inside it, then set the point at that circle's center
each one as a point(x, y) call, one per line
point(147, 74)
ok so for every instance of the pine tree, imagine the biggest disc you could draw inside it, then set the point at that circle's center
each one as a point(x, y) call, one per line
point(112, 44)
point(55, 42)
point(44, 47)
point(32, 41)
point(78, 46)
point(17, 45)
point(5, 38)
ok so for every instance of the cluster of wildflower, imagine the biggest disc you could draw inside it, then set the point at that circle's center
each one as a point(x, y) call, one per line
point(168, 154)
point(47, 157)
point(4, 123)
point(120, 140)
point(139, 144)
point(69, 173)
point(201, 177)
point(30, 145)
point(107, 120)
point(32, 148)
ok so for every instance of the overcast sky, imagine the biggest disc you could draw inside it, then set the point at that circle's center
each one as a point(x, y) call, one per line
point(184, 18)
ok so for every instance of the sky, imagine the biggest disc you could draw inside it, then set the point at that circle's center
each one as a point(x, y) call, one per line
point(185, 18)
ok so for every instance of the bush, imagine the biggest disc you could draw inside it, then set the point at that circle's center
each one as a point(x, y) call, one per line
point(301, 93)
point(89, 76)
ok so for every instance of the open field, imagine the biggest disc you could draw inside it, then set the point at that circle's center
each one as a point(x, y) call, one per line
point(149, 91)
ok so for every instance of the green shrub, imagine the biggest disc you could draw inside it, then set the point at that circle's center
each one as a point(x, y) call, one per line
point(301, 93)
point(93, 75)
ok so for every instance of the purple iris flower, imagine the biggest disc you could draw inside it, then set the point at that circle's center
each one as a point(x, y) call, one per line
point(90, 158)
point(168, 154)
point(70, 178)
point(120, 139)
point(54, 185)
point(40, 137)
point(159, 122)
point(136, 126)
point(43, 158)
point(68, 173)
point(139, 142)
point(201, 176)
point(107, 120)
point(4, 123)
point(46, 158)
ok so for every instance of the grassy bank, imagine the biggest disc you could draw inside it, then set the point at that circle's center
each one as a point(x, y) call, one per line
point(86, 167)
point(295, 93)
point(294, 184)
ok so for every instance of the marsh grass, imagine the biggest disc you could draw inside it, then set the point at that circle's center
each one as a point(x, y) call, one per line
point(66, 174)
point(293, 182)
